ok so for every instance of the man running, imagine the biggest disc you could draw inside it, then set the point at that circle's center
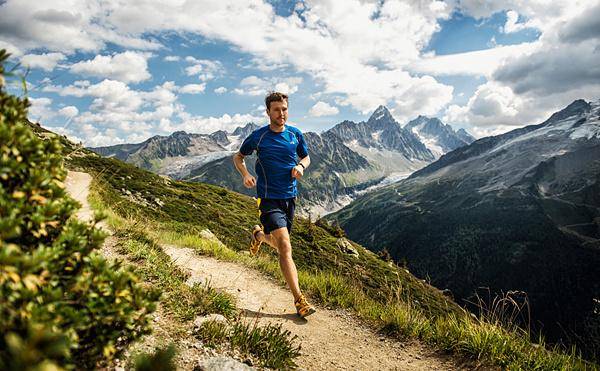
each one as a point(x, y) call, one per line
point(278, 148)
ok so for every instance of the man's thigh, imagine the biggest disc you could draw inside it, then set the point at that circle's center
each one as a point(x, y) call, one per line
point(275, 214)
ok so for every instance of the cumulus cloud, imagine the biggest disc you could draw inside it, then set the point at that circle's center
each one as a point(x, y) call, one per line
point(363, 53)
point(584, 26)
point(66, 27)
point(172, 58)
point(512, 23)
point(193, 88)
point(495, 108)
point(127, 67)
point(323, 109)
point(552, 70)
point(41, 109)
point(68, 111)
point(491, 105)
point(203, 68)
point(220, 90)
point(368, 37)
point(119, 114)
point(205, 125)
point(46, 61)
point(527, 86)
point(256, 86)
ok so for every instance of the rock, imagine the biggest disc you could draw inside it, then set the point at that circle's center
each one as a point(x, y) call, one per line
point(345, 246)
point(207, 234)
point(211, 317)
point(222, 364)
point(194, 280)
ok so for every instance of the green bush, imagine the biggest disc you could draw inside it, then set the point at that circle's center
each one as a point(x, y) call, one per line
point(61, 303)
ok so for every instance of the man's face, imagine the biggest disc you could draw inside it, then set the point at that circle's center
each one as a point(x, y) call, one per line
point(278, 113)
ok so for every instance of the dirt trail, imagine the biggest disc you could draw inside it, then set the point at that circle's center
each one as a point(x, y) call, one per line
point(330, 339)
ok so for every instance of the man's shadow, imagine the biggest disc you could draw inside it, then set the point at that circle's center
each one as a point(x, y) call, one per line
point(287, 316)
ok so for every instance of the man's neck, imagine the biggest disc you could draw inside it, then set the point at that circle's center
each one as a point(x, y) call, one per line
point(276, 128)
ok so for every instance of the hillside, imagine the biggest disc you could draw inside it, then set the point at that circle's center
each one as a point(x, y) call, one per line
point(334, 271)
point(346, 159)
point(491, 213)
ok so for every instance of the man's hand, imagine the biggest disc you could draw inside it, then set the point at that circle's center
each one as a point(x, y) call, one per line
point(249, 181)
point(297, 172)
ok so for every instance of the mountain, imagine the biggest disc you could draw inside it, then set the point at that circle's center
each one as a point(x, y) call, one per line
point(438, 137)
point(518, 211)
point(178, 154)
point(323, 184)
point(382, 133)
point(348, 159)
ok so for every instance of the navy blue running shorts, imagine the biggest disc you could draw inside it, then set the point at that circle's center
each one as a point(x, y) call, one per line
point(276, 213)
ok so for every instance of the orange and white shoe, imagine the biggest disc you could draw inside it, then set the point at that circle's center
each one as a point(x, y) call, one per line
point(255, 243)
point(303, 308)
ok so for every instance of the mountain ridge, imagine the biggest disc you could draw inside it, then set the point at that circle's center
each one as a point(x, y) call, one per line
point(523, 201)
point(361, 155)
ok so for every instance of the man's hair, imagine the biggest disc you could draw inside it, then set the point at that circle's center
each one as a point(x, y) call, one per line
point(275, 97)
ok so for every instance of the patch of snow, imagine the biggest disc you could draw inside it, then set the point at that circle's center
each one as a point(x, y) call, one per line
point(352, 144)
point(380, 115)
point(376, 135)
point(235, 142)
point(431, 143)
point(549, 130)
point(588, 131)
point(390, 179)
point(182, 166)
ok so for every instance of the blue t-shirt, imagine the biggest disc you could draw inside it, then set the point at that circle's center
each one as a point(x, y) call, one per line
point(277, 154)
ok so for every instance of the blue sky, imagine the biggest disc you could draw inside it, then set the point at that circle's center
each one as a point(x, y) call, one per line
point(113, 73)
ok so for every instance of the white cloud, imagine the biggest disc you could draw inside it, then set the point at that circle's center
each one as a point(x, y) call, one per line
point(526, 86)
point(119, 114)
point(475, 63)
point(256, 86)
point(172, 58)
point(323, 109)
point(491, 105)
point(127, 66)
point(512, 25)
point(10, 48)
point(66, 27)
point(553, 69)
point(46, 61)
point(205, 69)
point(40, 110)
point(220, 90)
point(68, 111)
point(193, 88)
point(205, 125)
point(355, 34)
point(363, 53)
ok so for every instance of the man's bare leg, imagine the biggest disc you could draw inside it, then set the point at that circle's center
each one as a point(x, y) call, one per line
point(279, 239)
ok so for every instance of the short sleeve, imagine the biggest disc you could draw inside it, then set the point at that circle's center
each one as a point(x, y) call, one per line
point(301, 149)
point(248, 146)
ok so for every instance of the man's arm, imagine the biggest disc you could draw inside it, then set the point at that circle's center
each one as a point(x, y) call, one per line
point(248, 180)
point(298, 170)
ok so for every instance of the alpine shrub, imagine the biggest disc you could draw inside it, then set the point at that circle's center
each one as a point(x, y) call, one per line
point(62, 305)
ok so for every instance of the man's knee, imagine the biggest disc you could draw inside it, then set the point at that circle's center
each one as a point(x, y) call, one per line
point(282, 239)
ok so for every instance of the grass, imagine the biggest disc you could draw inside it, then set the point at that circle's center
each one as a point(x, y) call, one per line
point(272, 345)
point(384, 295)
